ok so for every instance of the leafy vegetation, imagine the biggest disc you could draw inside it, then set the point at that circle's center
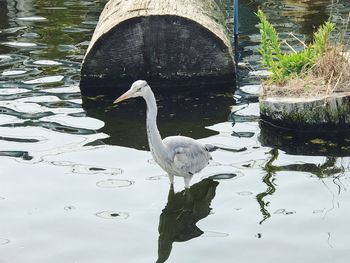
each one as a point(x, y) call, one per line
point(285, 66)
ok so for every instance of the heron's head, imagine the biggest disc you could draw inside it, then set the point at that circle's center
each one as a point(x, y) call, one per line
point(137, 89)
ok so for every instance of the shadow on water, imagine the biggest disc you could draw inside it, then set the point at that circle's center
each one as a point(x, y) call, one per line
point(336, 144)
point(184, 114)
point(268, 180)
point(325, 170)
point(16, 154)
point(177, 223)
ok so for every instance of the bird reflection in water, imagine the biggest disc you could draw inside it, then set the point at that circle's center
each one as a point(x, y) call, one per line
point(177, 222)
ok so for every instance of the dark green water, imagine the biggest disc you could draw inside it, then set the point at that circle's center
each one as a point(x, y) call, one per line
point(77, 183)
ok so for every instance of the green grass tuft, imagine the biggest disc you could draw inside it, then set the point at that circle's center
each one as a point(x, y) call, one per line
point(285, 66)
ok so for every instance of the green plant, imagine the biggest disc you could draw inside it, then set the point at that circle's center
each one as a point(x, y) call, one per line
point(270, 48)
point(322, 36)
point(284, 66)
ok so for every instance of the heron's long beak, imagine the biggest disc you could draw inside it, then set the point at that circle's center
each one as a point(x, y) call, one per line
point(125, 96)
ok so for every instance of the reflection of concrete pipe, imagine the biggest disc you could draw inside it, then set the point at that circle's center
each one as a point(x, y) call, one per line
point(176, 114)
point(161, 40)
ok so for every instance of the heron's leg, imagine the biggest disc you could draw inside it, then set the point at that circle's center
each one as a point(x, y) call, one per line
point(187, 180)
point(171, 178)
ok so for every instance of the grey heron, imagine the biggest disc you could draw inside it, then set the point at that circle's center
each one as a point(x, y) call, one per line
point(177, 155)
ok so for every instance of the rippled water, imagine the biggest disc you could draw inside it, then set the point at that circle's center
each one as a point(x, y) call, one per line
point(78, 184)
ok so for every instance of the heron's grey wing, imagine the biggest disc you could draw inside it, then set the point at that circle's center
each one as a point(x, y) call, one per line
point(188, 155)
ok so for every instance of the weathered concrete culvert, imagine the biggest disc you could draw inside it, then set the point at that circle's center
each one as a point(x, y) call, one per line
point(164, 41)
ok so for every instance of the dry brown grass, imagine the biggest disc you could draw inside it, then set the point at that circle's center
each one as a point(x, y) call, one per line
point(330, 74)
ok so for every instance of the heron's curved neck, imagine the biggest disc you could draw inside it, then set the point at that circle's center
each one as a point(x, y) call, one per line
point(154, 140)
